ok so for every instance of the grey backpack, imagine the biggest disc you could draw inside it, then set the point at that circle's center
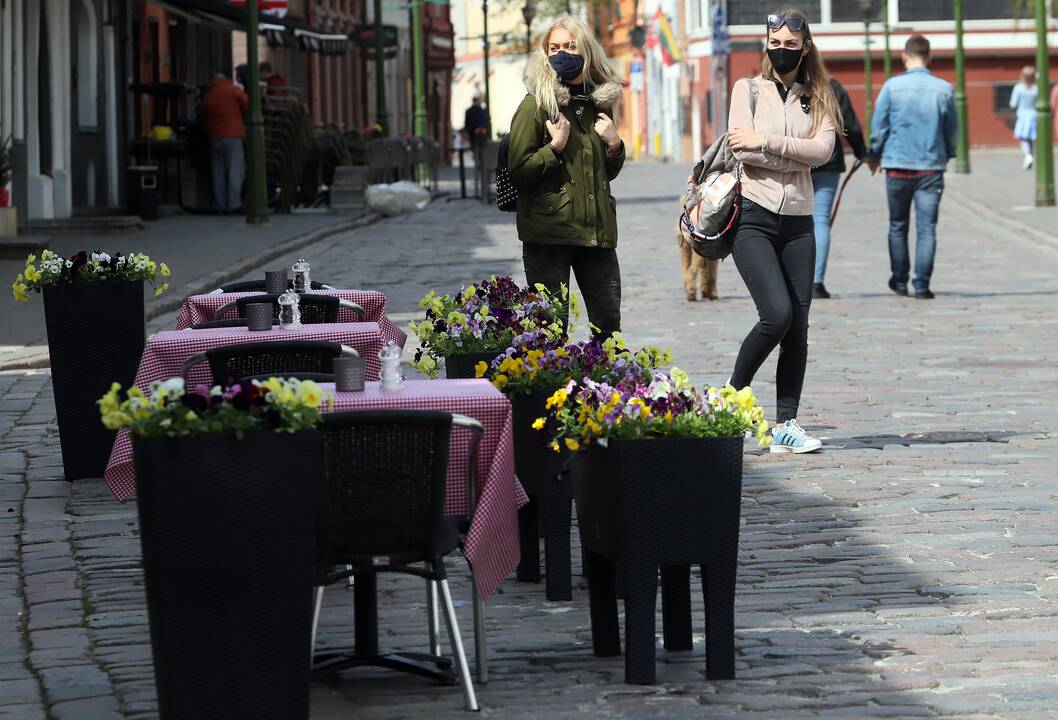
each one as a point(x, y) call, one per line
point(712, 200)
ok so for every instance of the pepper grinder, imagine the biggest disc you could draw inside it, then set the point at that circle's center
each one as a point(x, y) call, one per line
point(392, 376)
point(289, 311)
point(302, 283)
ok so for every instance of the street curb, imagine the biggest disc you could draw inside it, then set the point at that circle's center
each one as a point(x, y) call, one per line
point(1003, 220)
point(39, 358)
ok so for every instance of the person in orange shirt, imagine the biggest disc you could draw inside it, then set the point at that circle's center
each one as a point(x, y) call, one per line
point(223, 108)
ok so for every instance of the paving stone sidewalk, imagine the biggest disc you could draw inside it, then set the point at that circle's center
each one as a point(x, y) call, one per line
point(910, 570)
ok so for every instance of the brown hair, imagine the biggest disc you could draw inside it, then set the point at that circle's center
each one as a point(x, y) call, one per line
point(824, 101)
point(917, 46)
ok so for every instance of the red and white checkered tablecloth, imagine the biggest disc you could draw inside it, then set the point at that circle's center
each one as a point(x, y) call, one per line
point(492, 543)
point(200, 308)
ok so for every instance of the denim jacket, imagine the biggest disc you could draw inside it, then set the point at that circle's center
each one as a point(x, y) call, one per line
point(914, 125)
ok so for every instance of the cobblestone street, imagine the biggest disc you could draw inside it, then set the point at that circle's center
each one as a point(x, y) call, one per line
point(908, 570)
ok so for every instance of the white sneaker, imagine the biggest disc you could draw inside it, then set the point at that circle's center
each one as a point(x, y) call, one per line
point(1028, 162)
point(789, 437)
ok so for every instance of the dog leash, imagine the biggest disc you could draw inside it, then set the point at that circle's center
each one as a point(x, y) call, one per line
point(837, 200)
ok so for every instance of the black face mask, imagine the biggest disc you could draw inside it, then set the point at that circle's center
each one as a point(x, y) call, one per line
point(785, 60)
point(566, 65)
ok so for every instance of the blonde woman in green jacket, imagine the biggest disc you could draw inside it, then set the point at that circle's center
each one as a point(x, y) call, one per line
point(564, 152)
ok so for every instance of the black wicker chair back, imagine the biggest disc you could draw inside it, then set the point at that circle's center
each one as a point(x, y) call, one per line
point(314, 308)
point(272, 358)
point(226, 323)
point(254, 285)
point(384, 477)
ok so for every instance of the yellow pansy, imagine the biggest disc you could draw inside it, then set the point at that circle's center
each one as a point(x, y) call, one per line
point(165, 270)
point(572, 444)
point(32, 274)
point(480, 369)
point(554, 446)
point(500, 381)
point(538, 424)
point(18, 289)
point(161, 289)
point(310, 393)
point(557, 400)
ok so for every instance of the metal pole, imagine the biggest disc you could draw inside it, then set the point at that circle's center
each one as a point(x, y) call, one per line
point(419, 86)
point(867, 68)
point(256, 197)
point(485, 41)
point(888, 58)
point(962, 149)
point(1044, 149)
point(380, 72)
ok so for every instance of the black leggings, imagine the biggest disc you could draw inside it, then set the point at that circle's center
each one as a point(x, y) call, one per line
point(776, 256)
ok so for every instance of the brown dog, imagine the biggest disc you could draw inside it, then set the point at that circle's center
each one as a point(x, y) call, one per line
point(697, 271)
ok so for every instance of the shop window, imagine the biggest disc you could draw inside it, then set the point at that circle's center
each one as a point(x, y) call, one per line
point(917, 10)
point(852, 11)
point(755, 12)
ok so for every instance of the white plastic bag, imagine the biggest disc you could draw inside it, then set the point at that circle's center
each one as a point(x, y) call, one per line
point(397, 198)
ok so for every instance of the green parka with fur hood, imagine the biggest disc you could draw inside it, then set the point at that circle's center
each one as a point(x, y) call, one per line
point(564, 199)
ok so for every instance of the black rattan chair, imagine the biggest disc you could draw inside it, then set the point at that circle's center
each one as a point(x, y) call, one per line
point(277, 358)
point(259, 285)
point(382, 510)
point(226, 323)
point(314, 308)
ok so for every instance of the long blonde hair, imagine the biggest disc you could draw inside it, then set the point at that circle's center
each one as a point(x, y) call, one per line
point(824, 101)
point(597, 68)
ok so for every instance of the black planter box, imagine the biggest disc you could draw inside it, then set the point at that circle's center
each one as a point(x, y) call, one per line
point(549, 512)
point(95, 337)
point(664, 503)
point(228, 539)
point(461, 367)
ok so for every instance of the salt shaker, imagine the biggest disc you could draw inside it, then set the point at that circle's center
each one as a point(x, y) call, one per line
point(302, 282)
point(289, 311)
point(392, 376)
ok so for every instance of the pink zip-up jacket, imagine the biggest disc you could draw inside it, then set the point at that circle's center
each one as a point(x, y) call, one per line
point(778, 176)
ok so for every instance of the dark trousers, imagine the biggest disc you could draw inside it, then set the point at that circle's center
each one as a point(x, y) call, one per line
point(776, 255)
point(598, 276)
point(925, 192)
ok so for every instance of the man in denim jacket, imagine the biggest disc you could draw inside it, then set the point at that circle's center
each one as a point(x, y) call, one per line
point(913, 135)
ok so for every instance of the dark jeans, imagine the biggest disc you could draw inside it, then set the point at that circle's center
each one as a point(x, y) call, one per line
point(776, 255)
point(598, 276)
point(925, 192)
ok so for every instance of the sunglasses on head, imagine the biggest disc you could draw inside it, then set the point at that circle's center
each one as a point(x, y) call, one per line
point(775, 22)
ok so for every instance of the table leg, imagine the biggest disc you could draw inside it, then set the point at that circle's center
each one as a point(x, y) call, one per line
point(365, 607)
point(641, 596)
point(602, 604)
point(718, 587)
point(676, 607)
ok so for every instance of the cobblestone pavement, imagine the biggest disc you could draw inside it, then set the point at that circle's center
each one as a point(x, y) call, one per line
point(909, 570)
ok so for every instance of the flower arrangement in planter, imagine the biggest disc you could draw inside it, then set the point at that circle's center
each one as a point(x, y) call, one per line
point(528, 371)
point(225, 495)
point(88, 267)
point(482, 320)
point(657, 479)
point(93, 310)
point(373, 131)
point(586, 412)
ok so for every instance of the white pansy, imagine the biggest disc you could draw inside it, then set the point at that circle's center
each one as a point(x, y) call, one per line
point(100, 257)
point(170, 387)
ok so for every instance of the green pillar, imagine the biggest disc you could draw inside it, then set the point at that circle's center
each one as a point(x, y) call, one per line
point(256, 197)
point(962, 150)
point(380, 71)
point(888, 58)
point(1044, 148)
point(419, 84)
point(485, 41)
point(869, 89)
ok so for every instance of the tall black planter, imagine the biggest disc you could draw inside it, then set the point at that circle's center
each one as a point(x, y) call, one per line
point(95, 338)
point(668, 503)
point(460, 367)
point(227, 531)
point(539, 470)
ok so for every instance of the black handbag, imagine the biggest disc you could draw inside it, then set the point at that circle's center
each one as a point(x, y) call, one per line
point(506, 195)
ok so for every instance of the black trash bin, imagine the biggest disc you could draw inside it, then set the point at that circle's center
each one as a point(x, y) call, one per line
point(143, 191)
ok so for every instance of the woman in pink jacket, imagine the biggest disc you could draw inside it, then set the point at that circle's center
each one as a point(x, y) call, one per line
point(792, 131)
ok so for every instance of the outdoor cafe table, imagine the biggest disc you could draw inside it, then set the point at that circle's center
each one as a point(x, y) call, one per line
point(492, 541)
point(200, 308)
